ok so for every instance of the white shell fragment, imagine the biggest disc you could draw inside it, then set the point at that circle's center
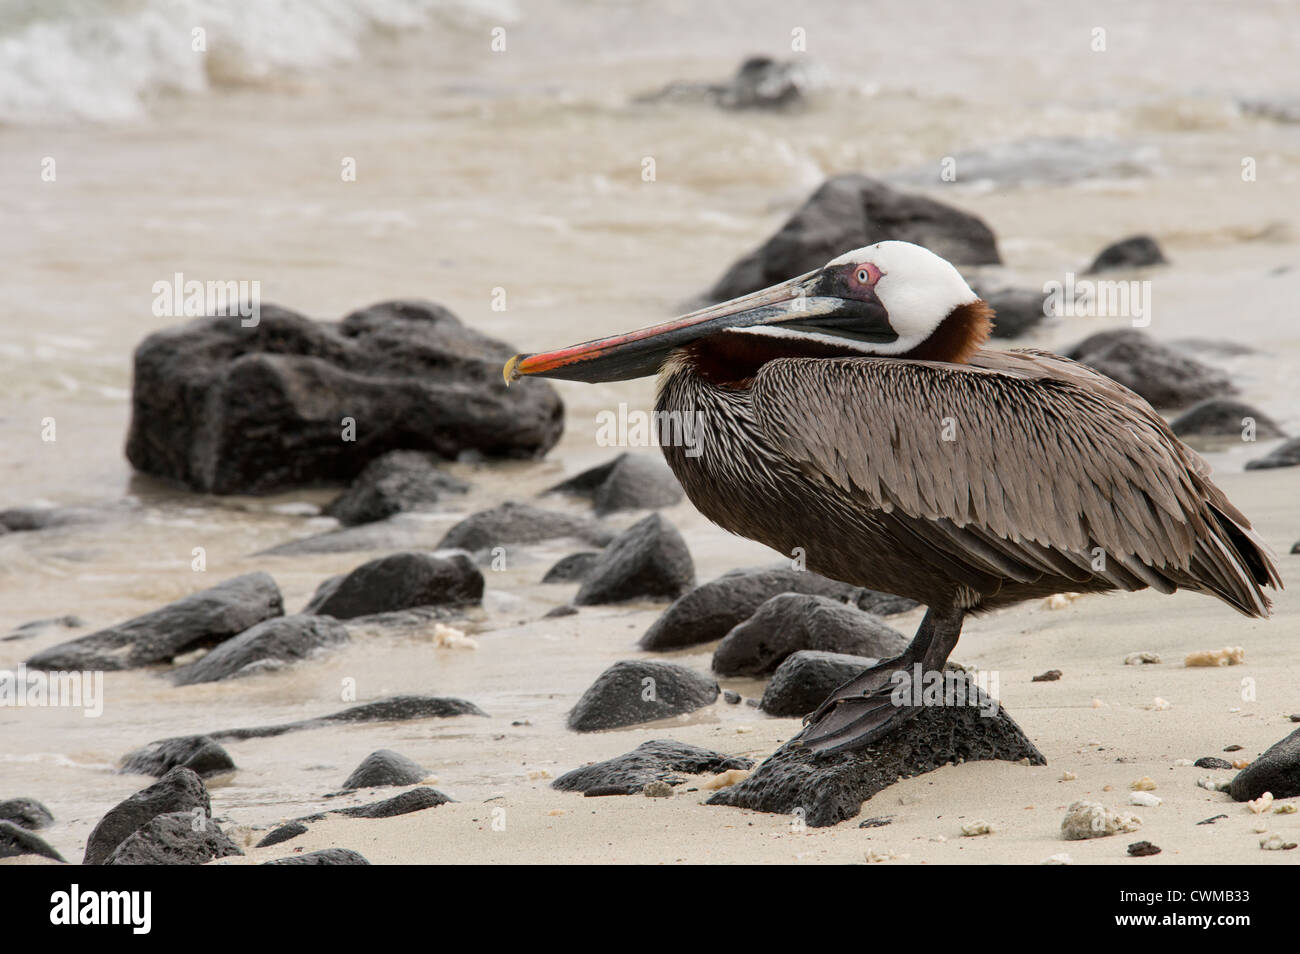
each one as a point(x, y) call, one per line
point(1094, 820)
point(1227, 656)
point(971, 829)
point(725, 779)
point(1144, 784)
point(1262, 804)
point(1141, 659)
point(1145, 799)
point(1060, 858)
point(448, 637)
point(1215, 784)
point(1276, 843)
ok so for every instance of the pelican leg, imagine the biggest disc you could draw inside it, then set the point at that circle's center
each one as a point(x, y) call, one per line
point(879, 700)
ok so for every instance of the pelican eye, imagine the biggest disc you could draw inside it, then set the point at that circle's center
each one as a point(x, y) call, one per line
point(864, 276)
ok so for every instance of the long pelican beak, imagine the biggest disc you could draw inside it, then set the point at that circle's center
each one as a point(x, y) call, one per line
point(637, 354)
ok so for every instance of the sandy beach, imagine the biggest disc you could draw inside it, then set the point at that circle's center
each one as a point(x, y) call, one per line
point(523, 172)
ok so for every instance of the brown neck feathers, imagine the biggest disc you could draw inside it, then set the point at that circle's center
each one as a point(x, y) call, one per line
point(958, 336)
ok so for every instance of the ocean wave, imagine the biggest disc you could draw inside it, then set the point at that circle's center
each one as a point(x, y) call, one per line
point(106, 60)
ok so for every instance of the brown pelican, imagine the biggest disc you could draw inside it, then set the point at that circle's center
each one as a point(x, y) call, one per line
point(853, 413)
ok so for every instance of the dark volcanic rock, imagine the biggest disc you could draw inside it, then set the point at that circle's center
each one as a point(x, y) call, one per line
point(227, 409)
point(571, 568)
point(16, 840)
point(269, 645)
point(711, 611)
point(198, 753)
point(850, 211)
point(282, 834)
point(171, 839)
point(1276, 771)
point(1138, 251)
point(793, 621)
point(399, 581)
point(1165, 377)
point(1211, 762)
point(803, 681)
point(23, 519)
point(26, 813)
point(326, 856)
point(180, 790)
point(657, 761)
point(1222, 417)
point(396, 482)
point(416, 800)
point(394, 709)
point(385, 767)
point(200, 619)
point(1286, 454)
point(648, 560)
point(828, 788)
point(1016, 310)
point(760, 83)
point(514, 522)
point(636, 691)
point(628, 482)
point(38, 626)
point(398, 532)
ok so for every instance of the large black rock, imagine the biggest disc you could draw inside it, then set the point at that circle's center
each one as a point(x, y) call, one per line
point(399, 581)
point(648, 560)
point(1223, 417)
point(180, 790)
point(1138, 251)
point(1165, 377)
point(16, 840)
point(806, 678)
point(827, 788)
point(1276, 771)
point(628, 482)
point(175, 838)
point(385, 767)
point(415, 800)
point(228, 409)
point(198, 753)
point(397, 482)
point(848, 212)
point(660, 760)
point(26, 813)
point(514, 522)
point(201, 619)
point(392, 709)
point(1286, 454)
point(790, 622)
point(639, 690)
point(272, 644)
point(711, 611)
point(326, 856)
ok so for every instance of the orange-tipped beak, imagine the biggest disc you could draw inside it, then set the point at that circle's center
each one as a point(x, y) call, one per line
point(636, 354)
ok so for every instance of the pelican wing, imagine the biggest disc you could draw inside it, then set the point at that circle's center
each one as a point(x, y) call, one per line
point(1016, 466)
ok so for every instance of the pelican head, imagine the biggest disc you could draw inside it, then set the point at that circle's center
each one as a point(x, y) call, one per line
point(884, 299)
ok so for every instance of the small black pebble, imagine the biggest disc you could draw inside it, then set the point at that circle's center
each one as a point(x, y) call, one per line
point(521, 722)
point(730, 698)
point(1211, 820)
point(1295, 717)
point(880, 822)
point(1050, 676)
point(1232, 748)
point(1140, 849)
point(1211, 762)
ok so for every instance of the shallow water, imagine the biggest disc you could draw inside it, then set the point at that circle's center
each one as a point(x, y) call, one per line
point(522, 170)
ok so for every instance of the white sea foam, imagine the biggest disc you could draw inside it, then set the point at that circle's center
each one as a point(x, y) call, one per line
point(106, 60)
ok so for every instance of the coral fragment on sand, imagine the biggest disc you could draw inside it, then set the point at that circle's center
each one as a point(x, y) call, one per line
point(1227, 656)
point(1094, 820)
